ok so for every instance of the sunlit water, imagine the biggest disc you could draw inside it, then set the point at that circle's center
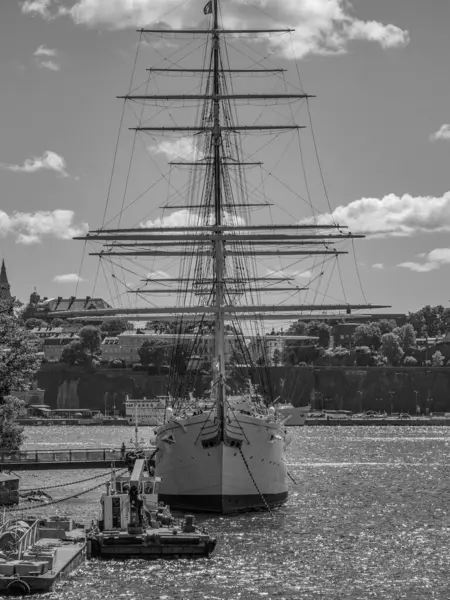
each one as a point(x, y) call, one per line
point(368, 517)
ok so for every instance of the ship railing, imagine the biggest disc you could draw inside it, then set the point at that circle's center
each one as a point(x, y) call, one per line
point(27, 540)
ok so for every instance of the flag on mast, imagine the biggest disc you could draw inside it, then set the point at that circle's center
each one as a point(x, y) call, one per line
point(207, 10)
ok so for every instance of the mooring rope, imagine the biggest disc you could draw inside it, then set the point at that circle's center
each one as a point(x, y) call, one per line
point(51, 487)
point(42, 504)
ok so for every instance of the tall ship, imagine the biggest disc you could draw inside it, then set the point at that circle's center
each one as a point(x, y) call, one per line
point(224, 243)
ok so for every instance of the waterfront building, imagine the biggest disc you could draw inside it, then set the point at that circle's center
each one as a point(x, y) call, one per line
point(40, 308)
point(54, 346)
point(267, 346)
point(111, 349)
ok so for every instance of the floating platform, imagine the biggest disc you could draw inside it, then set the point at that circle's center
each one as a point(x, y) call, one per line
point(33, 557)
point(165, 542)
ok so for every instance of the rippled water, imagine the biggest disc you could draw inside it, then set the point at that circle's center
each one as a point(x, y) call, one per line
point(367, 518)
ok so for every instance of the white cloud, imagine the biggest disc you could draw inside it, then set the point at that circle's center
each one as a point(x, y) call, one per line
point(393, 215)
point(158, 275)
point(48, 64)
point(68, 278)
point(378, 266)
point(183, 148)
point(48, 161)
point(30, 228)
point(43, 51)
point(185, 217)
point(431, 261)
point(321, 26)
point(443, 133)
point(38, 7)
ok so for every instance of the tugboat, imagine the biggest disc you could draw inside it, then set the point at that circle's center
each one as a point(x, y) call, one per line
point(134, 524)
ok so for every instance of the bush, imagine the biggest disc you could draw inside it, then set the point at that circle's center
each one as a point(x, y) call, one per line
point(410, 361)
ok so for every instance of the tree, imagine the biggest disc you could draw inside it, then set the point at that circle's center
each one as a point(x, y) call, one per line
point(368, 334)
point(408, 339)
point(386, 325)
point(276, 359)
point(74, 353)
point(410, 361)
point(437, 360)
point(58, 322)
point(18, 364)
point(116, 326)
point(151, 353)
point(11, 433)
point(320, 330)
point(391, 349)
point(18, 356)
point(90, 339)
point(33, 323)
point(429, 320)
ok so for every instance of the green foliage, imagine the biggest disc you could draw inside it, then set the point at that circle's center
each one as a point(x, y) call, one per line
point(113, 327)
point(74, 353)
point(90, 339)
point(18, 364)
point(18, 359)
point(368, 334)
point(437, 360)
point(410, 361)
point(58, 322)
point(430, 320)
point(408, 338)
point(276, 359)
point(387, 325)
point(32, 323)
point(364, 356)
point(391, 348)
point(150, 353)
point(321, 330)
point(11, 433)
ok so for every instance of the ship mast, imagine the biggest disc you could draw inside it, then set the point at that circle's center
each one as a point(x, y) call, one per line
point(218, 246)
point(219, 322)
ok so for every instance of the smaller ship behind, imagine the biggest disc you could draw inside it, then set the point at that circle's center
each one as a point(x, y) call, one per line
point(146, 411)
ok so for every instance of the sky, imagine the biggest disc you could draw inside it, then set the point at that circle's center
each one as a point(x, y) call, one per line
point(380, 117)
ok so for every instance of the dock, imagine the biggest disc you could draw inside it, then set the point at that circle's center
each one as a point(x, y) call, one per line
point(382, 422)
point(44, 460)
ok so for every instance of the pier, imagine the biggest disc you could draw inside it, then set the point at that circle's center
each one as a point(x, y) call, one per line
point(89, 458)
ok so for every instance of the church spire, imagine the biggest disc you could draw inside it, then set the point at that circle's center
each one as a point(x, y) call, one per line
point(5, 288)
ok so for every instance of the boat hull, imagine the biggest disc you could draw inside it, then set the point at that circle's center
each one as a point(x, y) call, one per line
point(244, 471)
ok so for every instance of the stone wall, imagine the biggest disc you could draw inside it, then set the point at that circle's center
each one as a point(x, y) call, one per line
point(347, 388)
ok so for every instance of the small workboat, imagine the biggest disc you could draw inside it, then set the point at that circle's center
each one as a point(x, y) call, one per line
point(133, 523)
point(35, 554)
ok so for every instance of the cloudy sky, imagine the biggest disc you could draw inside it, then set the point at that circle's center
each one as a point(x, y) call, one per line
point(381, 116)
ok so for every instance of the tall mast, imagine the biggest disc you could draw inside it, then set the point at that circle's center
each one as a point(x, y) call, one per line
point(219, 334)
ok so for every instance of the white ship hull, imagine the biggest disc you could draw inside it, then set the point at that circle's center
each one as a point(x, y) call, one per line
point(245, 471)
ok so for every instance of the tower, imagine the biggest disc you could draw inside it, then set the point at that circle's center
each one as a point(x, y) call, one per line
point(5, 293)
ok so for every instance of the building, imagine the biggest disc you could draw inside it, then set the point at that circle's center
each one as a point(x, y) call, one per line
point(54, 346)
point(45, 308)
point(126, 345)
point(111, 349)
point(268, 345)
point(5, 288)
point(46, 332)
